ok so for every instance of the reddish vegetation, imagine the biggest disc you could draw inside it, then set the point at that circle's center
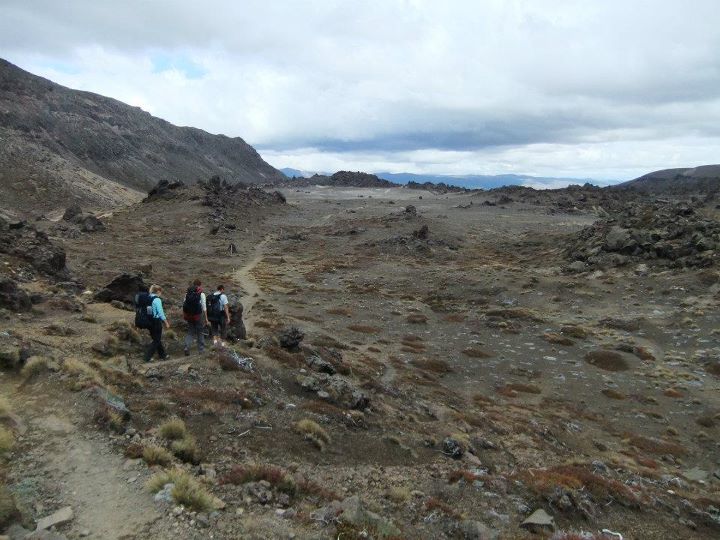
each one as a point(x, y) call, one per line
point(657, 446)
point(544, 482)
point(433, 503)
point(613, 394)
point(673, 393)
point(525, 388)
point(462, 474)
point(433, 365)
point(558, 339)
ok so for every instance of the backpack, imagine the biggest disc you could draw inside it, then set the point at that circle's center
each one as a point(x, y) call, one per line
point(192, 307)
point(143, 310)
point(214, 309)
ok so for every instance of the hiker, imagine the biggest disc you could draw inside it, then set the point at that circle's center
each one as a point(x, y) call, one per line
point(218, 310)
point(157, 318)
point(195, 313)
point(142, 308)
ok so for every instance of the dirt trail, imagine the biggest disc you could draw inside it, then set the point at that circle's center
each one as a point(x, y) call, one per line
point(108, 499)
point(248, 283)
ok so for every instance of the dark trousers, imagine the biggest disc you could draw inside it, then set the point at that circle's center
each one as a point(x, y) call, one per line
point(219, 328)
point(156, 345)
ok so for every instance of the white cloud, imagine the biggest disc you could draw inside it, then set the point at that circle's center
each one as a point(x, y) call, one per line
point(556, 87)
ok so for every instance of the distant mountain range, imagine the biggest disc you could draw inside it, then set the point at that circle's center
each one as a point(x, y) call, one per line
point(471, 181)
point(60, 146)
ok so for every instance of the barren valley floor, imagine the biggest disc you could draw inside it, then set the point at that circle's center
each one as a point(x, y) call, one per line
point(423, 366)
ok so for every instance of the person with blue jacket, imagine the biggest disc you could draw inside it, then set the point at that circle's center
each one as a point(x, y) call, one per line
point(157, 320)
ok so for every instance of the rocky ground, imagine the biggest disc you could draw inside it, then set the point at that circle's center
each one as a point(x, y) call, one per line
point(508, 364)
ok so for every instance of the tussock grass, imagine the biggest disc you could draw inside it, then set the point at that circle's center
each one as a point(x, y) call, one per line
point(313, 432)
point(613, 394)
point(34, 367)
point(8, 509)
point(339, 311)
point(525, 388)
point(186, 490)
point(173, 430)
point(156, 455)
point(5, 408)
point(434, 504)
point(398, 494)
point(7, 441)
point(186, 449)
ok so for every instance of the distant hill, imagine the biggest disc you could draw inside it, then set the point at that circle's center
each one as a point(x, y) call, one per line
point(469, 181)
point(59, 146)
point(342, 179)
point(677, 181)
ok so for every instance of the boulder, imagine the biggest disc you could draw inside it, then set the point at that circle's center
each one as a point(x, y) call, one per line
point(123, 288)
point(290, 338)
point(72, 212)
point(236, 328)
point(13, 297)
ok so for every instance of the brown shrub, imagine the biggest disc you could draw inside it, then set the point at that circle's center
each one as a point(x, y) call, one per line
point(374, 349)
point(284, 357)
point(557, 339)
point(578, 332)
point(416, 318)
point(705, 421)
point(339, 311)
point(514, 313)
point(433, 365)
point(433, 503)
point(196, 394)
point(612, 394)
point(134, 451)
point(455, 317)
point(474, 352)
point(713, 369)
point(673, 393)
point(525, 388)
point(643, 353)
point(462, 474)
point(277, 477)
point(607, 360)
point(364, 329)
point(507, 392)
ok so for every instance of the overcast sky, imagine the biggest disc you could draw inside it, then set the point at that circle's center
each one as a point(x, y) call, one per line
point(598, 89)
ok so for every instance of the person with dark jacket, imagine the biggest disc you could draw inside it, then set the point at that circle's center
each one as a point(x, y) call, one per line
point(157, 321)
point(195, 314)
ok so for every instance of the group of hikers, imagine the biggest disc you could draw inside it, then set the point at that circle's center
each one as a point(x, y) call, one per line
point(199, 311)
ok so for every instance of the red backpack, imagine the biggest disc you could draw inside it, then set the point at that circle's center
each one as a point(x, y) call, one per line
point(192, 307)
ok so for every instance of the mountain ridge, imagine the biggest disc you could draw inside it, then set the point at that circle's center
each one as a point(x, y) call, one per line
point(73, 146)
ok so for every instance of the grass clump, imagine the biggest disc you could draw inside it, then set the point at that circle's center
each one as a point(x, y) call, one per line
point(433, 365)
point(5, 407)
point(156, 455)
point(33, 367)
point(7, 440)
point(8, 509)
point(187, 450)
point(186, 490)
point(398, 494)
point(173, 429)
point(313, 432)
